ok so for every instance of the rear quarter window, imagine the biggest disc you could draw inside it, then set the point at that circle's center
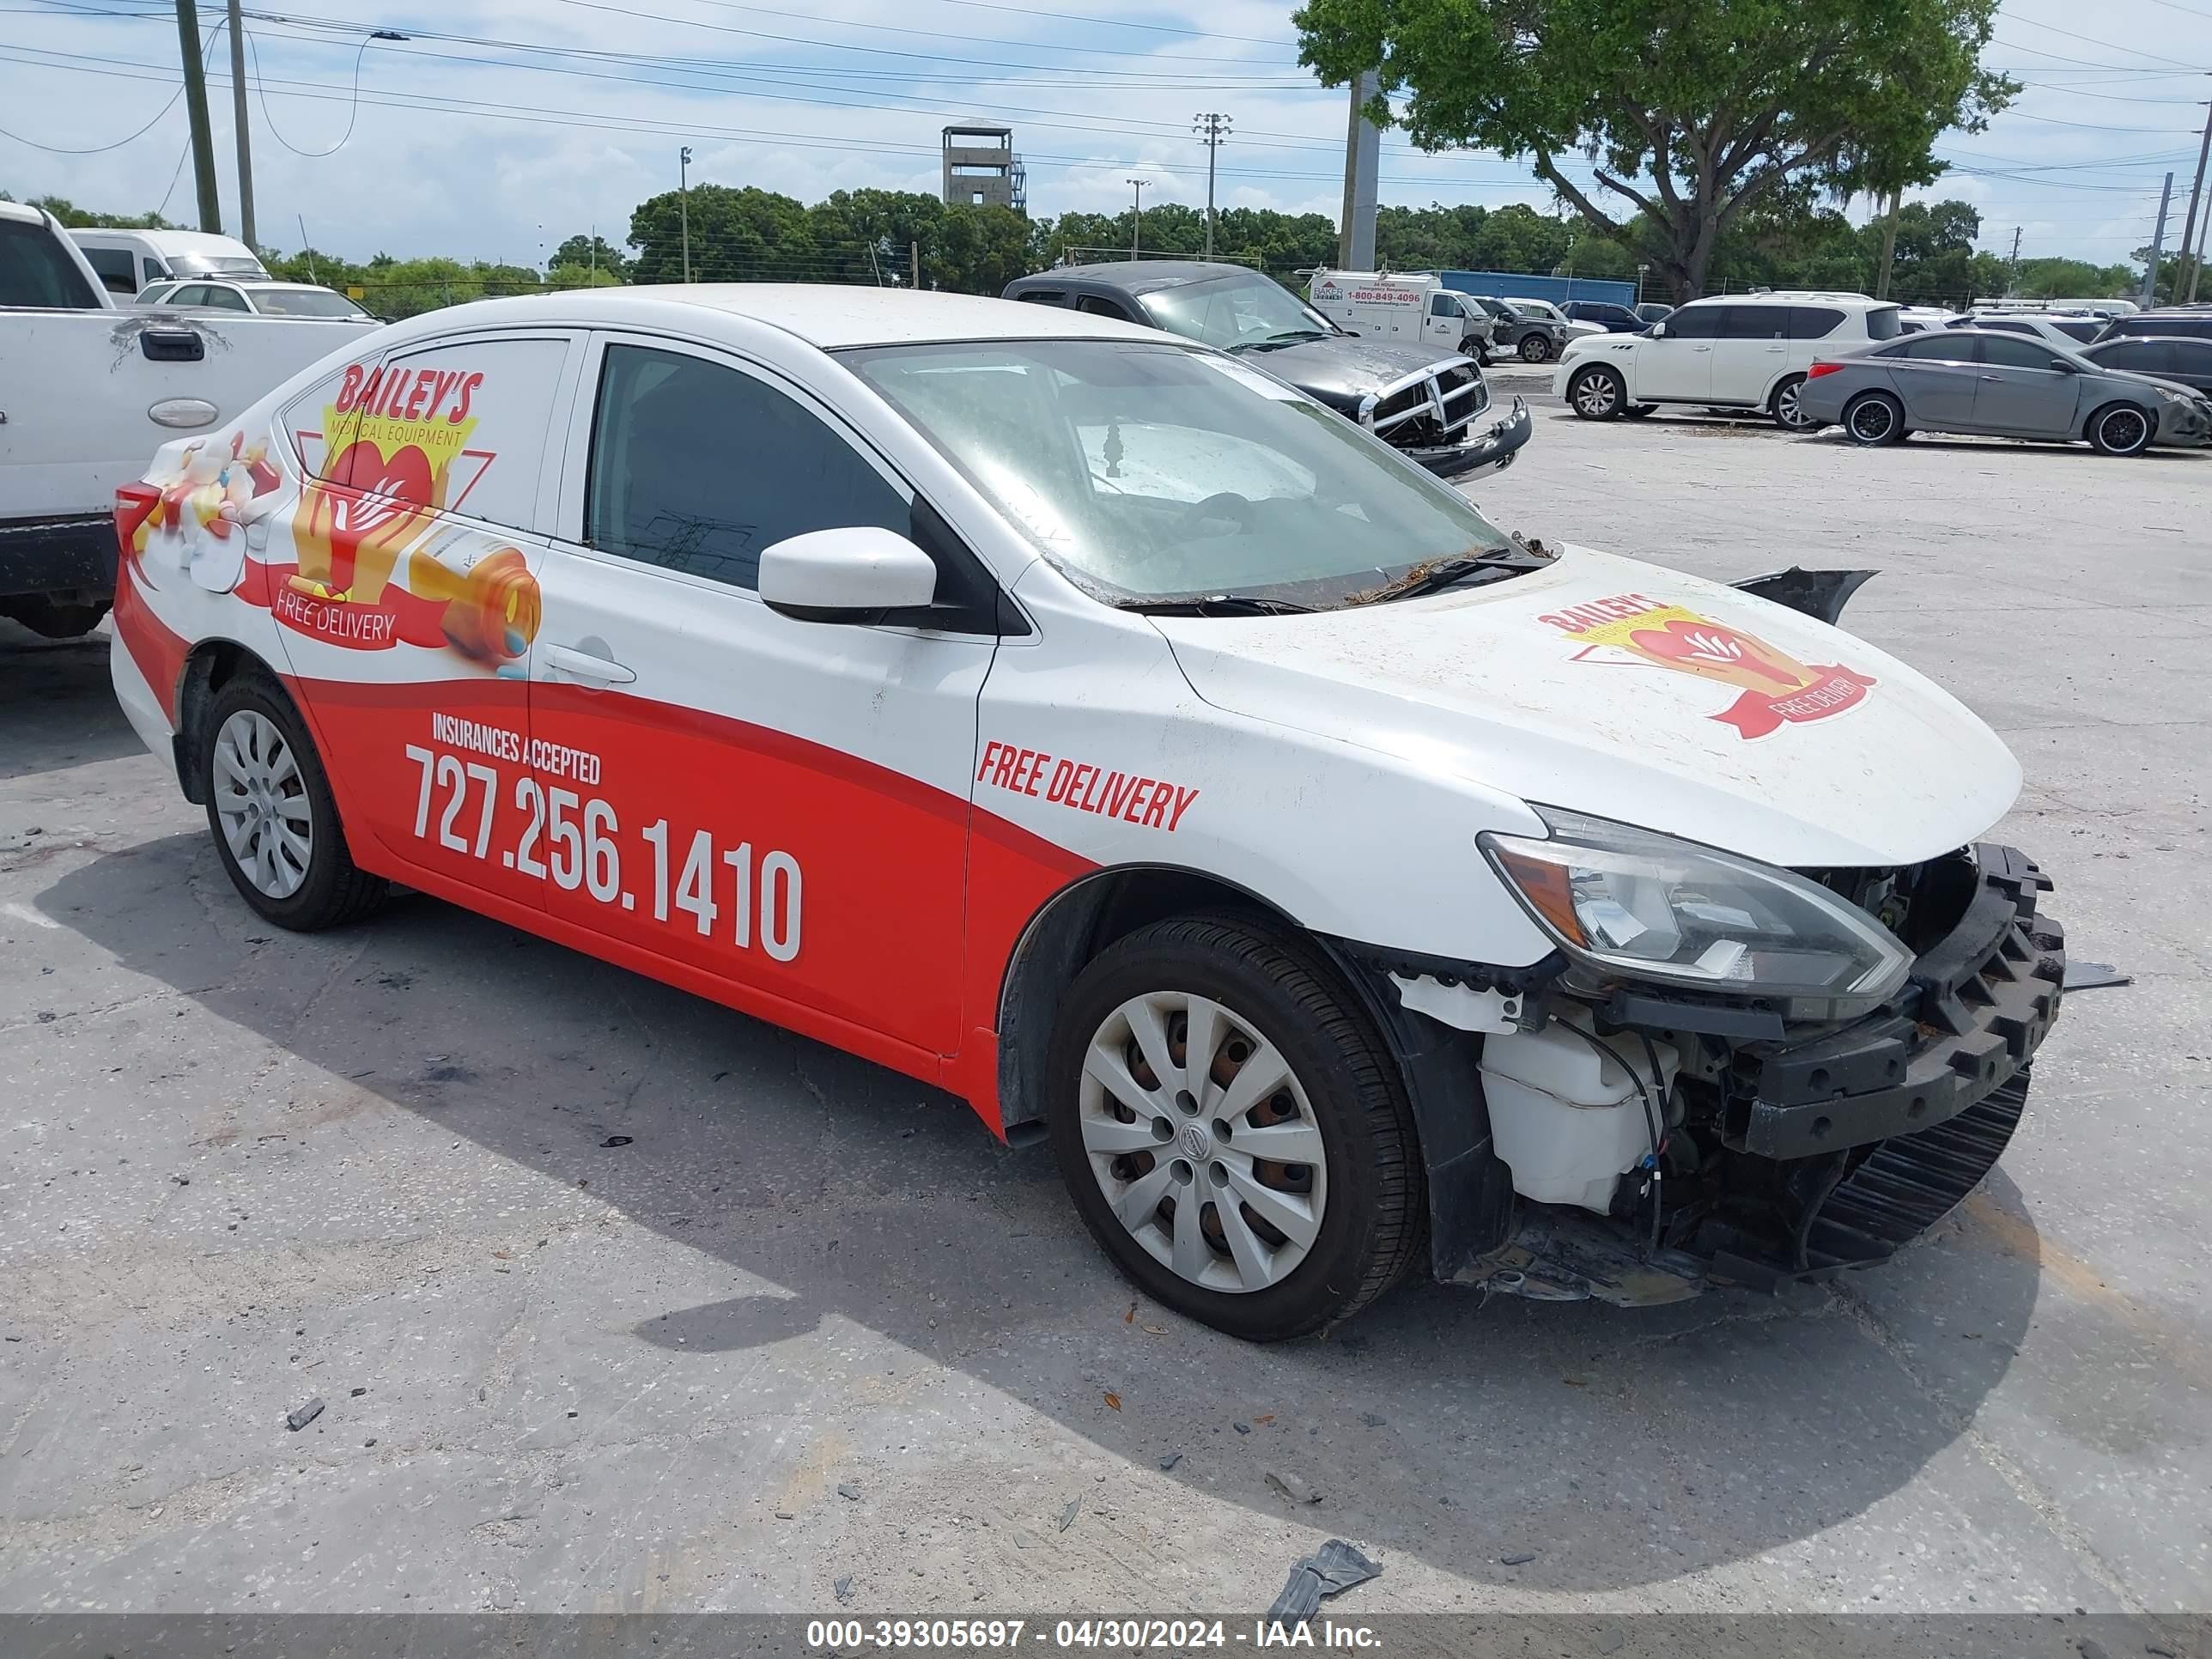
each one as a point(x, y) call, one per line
point(1881, 323)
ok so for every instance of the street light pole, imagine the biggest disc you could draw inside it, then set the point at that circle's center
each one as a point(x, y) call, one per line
point(684, 204)
point(1212, 130)
point(1137, 223)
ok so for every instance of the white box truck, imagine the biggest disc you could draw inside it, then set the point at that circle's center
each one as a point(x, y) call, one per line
point(1409, 306)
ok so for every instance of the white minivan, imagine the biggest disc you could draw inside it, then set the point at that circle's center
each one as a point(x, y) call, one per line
point(1745, 351)
point(1408, 306)
point(127, 260)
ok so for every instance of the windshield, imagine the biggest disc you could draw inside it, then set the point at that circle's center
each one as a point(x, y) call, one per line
point(1237, 309)
point(215, 265)
point(304, 302)
point(1152, 473)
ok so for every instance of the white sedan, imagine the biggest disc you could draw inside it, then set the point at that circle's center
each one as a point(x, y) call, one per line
point(258, 299)
point(1079, 719)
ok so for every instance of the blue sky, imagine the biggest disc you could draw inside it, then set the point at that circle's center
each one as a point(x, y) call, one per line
point(503, 125)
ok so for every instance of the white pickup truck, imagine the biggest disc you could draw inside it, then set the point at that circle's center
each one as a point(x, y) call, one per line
point(88, 393)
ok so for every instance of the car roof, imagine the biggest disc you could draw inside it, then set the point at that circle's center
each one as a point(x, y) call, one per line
point(22, 213)
point(173, 242)
point(825, 315)
point(2151, 339)
point(1849, 301)
point(1143, 275)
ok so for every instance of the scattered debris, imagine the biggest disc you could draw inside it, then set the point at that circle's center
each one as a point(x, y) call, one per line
point(182, 1181)
point(1610, 1642)
point(307, 1414)
point(371, 1441)
point(783, 1515)
point(848, 1491)
point(1130, 1317)
point(572, 1413)
point(1113, 1400)
point(616, 1140)
point(1292, 1490)
point(843, 1587)
point(1518, 1558)
point(1373, 1419)
point(1269, 1418)
point(1170, 1460)
point(1025, 1540)
point(357, 1393)
point(1242, 1428)
point(2161, 1652)
point(2091, 1648)
point(1334, 1567)
point(502, 1256)
point(1067, 1515)
point(2092, 976)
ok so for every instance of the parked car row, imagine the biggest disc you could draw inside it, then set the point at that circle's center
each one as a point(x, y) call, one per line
point(1815, 361)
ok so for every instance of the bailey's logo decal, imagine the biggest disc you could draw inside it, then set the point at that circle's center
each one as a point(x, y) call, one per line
point(1775, 690)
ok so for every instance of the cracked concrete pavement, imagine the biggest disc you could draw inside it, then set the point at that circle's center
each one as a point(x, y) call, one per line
point(240, 1168)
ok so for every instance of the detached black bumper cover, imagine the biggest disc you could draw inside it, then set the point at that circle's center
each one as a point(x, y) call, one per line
point(1492, 448)
point(1978, 1005)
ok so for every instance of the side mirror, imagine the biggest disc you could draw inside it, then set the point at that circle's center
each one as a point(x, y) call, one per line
point(857, 576)
point(2063, 365)
point(1657, 330)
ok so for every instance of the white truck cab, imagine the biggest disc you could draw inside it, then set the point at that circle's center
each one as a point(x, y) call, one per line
point(1410, 305)
point(1085, 720)
point(127, 260)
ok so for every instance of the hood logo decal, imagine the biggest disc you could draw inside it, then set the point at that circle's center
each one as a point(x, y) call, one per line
point(1773, 688)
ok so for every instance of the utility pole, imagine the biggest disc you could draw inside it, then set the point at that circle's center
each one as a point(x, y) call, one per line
point(913, 265)
point(2196, 190)
point(1889, 245)
point(196, 112)
point(683, 203)
point(1137, 224)
point(2196, 265)
point(239, 123)
point(2012, 272)
point(2157, 241)
point(1212, 130)
point(1363, 154)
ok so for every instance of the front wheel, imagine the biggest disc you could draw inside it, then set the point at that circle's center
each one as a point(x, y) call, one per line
point(276, 826)
point(1232, 1129)
point(2121, 429)
point(1536, 348)
point(1874, 417)
point(1597, 394)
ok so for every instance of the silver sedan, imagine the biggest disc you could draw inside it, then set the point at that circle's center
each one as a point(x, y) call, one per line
point(1979, 380)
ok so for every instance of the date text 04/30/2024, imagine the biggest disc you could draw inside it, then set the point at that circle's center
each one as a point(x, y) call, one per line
point(1122, 1635)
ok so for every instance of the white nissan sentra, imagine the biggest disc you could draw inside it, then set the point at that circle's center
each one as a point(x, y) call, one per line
point(1085, 721)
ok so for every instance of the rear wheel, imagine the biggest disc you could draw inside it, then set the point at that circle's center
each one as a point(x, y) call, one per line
point(1232, 1129)
point(1874, 417)
point(276, 826)
point(2121, 429)
point(1536, 348)
point(1597, 393)
point(1788, 414)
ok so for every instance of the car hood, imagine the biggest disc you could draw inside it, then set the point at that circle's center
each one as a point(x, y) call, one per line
point(1341, 369)
point(1629, 692)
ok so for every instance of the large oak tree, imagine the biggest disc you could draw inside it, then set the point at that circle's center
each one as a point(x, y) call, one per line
point(1693, 111)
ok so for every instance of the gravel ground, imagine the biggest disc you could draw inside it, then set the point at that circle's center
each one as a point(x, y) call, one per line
point(811, 1323)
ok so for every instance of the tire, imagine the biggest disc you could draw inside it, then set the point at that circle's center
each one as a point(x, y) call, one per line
point(1337, 1091)
point(2121, 429)
point(1536, 348)
point(1597, 393)
point(264, 780)
point(1783, 406)
point(1874, 417)
point(1641, 411)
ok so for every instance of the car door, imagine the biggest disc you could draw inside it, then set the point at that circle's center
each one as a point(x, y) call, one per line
point(1677, 366)
point(1750, 350)
point(2189, 361)
point(2018, 392)
point(405, 585)
point(1443, 325)
point(776, 809)
point(1936, 374)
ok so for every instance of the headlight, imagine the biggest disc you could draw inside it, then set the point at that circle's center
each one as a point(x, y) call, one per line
point(2173, 396)
point(1649, 906)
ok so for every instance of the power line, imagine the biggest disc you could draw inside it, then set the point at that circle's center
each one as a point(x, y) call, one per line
point(2110, 45)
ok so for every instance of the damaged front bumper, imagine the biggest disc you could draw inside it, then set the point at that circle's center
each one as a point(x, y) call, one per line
point(1826, 1151)
point(1493, 448)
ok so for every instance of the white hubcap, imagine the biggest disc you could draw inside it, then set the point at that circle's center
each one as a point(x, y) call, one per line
point(261, 801)
point(1203, 1141)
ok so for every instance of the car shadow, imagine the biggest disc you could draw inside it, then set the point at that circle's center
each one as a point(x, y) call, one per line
point(67, 681)
point(1650, 1443)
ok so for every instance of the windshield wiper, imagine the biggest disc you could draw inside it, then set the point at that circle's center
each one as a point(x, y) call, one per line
point(1277, 342)
point(1491, 564)
point(1216, 604)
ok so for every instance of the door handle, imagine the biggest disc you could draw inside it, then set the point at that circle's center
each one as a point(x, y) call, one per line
point(1993, 377)
point(583, 665)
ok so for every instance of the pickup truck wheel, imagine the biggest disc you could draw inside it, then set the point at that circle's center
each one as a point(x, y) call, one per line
point(52, 619)
point(1536, 348)
point(276, 826)
point(1874, 417)
point(1597, 393)
point(1788, 414)
point(2121, 429)
point(1232, 1129)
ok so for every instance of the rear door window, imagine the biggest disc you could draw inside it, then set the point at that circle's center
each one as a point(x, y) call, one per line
point(461, 426)
point(1940, 347)
point(224, 299)
point(1099, 307)
point(1813, 322)
point(1042, 296)
point(2135, 356)
point(1755, 322)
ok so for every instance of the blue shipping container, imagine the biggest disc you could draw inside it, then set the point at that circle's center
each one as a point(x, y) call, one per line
point(1503, 285)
